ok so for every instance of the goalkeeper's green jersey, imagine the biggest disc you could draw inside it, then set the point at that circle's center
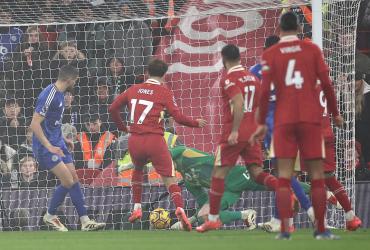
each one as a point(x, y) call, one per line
point(196, 168)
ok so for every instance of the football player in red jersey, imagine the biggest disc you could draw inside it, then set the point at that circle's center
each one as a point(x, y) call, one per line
point(352, 221)
point(240, 91)
point(294, 66)
point(147, 102)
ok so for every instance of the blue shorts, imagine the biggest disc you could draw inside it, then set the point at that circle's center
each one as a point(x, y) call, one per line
point(48, 160)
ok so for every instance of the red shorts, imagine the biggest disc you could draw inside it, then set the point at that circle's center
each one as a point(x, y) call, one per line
point(151, 148)
point(305, 137)
point(227, 155)
point(329, 164)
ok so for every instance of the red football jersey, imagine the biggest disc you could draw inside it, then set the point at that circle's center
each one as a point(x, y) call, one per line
point(239, 80)
point(147, 103)
point(294, 67)
point(327, 130)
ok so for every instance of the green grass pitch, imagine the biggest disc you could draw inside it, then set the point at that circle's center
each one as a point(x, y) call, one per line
point(163, 240)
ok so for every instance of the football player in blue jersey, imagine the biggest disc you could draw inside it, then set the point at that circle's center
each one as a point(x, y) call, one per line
point(50, 150)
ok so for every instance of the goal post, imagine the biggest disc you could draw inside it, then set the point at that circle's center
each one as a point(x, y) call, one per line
point(111, 42)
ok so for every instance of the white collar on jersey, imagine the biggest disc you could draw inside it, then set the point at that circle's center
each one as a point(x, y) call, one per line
point(152, 81)
point(288, 38)
point(235, 68)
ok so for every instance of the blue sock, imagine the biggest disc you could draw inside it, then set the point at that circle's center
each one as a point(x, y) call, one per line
point(57, 199)
point(299, 193)
point(78, 199)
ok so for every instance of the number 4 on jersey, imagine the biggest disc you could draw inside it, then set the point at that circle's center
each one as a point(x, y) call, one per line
point(149, 106)
point(293, 77)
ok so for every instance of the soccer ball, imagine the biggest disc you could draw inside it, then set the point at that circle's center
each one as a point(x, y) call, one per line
point(160, 218)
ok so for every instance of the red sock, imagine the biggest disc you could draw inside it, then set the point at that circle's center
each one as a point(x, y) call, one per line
point(137, 185)
point(175, 192)
point(340, 193)
point(283, 202)
point(267, 180)
point(318, 194)
point(215, 195)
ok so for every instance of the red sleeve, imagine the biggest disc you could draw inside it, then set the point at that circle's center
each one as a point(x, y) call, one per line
point(320, 62)
point(329, 93)
point(115, 111)
point(265, 90)
point(230, 88)
point(323, 75)
point(174, 111)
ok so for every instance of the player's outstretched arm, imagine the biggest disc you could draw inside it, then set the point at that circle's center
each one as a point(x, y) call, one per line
point(180, 118)
point(115, 111)
point(36, 128)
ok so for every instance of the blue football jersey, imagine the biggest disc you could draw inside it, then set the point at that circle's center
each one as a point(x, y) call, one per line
point(256, 70)
point(50, 104)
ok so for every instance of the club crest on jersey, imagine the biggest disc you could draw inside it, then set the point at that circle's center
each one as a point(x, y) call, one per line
point(228, 84)
point(54, 158)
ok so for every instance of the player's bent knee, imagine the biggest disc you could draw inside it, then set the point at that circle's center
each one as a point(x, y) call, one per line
point(169, 180)
point(220, 171)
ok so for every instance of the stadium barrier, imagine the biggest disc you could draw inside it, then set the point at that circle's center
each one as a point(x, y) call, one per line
point(113, 204)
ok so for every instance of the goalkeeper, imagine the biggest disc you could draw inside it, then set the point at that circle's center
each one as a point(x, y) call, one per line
point(196, 167)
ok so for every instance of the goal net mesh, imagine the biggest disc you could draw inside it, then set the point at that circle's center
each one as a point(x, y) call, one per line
point(111, 43)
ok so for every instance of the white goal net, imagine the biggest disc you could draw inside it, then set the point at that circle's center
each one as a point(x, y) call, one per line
point(111, 43)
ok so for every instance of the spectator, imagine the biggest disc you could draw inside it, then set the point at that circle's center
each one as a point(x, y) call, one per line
point(27, 176)
point(71, 111)
point(130, 40)
point(49, 31)
point(89, 37)
point(25, 148)
point(69, 54)
point(120, 81)
point(100, 102)
point(94, 148)
point(7, 155)
point(10, 37)
point(362, 101)
point(12, 124)
point(28, 67)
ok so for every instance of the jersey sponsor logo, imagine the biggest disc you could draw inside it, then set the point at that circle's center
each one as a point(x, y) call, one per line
point(146, 91)
point(228, 84)
point(290, 49)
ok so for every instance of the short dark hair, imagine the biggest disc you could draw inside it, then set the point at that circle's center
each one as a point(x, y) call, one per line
point(230, 53)
point(12, 100)
point(359, 76)
point(92, 117)
point(157, 68)
point(289, 21)
point(67, 72)
point(103, 81)
point(271, 40)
